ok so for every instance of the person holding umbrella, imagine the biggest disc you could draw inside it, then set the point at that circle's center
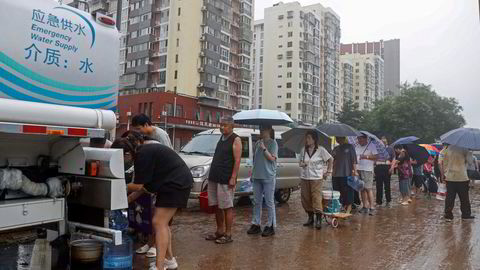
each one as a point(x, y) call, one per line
point(453, 169)
point(344, 165)
point(404, 167)
point(313, 158)
point(382, 174)
point(263, 177)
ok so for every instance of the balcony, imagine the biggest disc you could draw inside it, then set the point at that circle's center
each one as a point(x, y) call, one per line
point(246, 34)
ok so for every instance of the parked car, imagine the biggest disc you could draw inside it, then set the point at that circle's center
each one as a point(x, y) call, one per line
point(198, 154)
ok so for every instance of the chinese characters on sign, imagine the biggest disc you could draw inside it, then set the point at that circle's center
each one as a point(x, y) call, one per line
point(52, 56)
point(52, 20)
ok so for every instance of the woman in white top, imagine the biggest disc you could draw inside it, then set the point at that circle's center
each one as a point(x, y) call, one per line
point(313, 160)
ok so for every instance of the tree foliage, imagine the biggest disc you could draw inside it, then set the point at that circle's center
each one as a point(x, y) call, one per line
point(351, 115)
point(417, 111)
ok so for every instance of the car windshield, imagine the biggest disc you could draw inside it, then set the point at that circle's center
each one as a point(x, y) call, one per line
point(202, 145)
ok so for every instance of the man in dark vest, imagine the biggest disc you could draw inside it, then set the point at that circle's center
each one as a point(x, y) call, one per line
point(222, 180)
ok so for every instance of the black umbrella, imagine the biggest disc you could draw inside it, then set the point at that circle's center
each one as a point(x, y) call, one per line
point(418, 153)
point(339, 130)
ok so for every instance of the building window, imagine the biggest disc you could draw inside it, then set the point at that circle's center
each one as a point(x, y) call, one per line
point(290, 24)
point(179, 111)
point(357, 64)
point(289, 95)
point(169, 109)
point(279, 96)
point(357, 70)
point(176, 58)
point(289, 74)
point(290, 44)
point(290, 14)
point(289, 64)
point(179, 11)
point(175, 75)
point(178, 26)
point(178, 42)
point(280, 17)
point(279, 86)
point(290, 34)
point(288, 106)
point(357, 97)
point(289, 85)
point(280, 56)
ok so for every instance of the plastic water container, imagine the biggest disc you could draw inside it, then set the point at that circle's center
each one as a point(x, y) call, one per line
point(119, 257)
point(331, 201)
point(330, 194)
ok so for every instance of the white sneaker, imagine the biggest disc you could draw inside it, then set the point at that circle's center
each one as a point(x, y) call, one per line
point(153, 267)
point(143, 249)
point(171, 264)
point(152, 252)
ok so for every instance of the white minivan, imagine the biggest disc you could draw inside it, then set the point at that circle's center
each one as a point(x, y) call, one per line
point(198, 154)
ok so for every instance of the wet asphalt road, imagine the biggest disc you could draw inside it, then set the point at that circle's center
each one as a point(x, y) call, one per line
point(401, 237)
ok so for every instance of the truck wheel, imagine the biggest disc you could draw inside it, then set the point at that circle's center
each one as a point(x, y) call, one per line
point(283, 195)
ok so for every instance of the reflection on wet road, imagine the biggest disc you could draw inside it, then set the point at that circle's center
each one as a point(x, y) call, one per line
point(400, 237)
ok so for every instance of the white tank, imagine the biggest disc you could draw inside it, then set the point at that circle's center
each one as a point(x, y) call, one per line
point(48, 114)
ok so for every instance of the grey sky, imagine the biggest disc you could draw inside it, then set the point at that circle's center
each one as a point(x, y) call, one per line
point(439, 39)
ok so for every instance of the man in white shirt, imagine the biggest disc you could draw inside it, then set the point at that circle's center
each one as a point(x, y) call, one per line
point(366, 156)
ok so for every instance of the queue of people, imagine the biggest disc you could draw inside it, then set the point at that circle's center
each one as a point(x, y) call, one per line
point(159, 171)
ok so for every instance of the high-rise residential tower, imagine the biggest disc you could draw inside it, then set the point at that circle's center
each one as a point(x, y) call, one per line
point(197, 48)
point(389, 50)
point(367, 78)
point(297, 63)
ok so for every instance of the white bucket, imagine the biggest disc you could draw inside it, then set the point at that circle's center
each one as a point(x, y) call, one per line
point(329, 195)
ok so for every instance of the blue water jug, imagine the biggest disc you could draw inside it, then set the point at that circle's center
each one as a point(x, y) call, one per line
point(119, 257)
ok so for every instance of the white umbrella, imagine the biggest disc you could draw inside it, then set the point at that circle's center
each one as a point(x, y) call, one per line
point(262, 117)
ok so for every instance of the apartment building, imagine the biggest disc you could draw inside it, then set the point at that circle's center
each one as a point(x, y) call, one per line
point(257, 65)
point(389, 50)
point(367, 78)
point(296, 60)
point(346, 80)
point(196, 48)
point(109, 7)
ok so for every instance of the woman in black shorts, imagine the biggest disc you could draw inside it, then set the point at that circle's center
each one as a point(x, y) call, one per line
point(159, 169)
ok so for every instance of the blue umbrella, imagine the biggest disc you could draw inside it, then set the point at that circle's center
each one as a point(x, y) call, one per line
point(468, 138)
point(381, 149)
point(406, 140)
point(262, 117)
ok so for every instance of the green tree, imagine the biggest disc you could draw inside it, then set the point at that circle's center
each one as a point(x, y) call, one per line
point(351, 115)
point(417, 111)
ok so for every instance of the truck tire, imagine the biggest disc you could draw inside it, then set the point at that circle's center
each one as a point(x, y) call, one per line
point(282, 195)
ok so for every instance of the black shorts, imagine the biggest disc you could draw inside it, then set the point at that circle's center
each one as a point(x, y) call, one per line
point(173, 198)
point(417, 180)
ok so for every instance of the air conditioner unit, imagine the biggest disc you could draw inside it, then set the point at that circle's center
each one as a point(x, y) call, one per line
point(202, 38)
point(200, 85)
point(204, 8)
point(129, 113)
point(201, 69)
point(202, 54)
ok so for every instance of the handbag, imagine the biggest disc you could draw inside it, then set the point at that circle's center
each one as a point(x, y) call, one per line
point(442, 192)
point(355, 182)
